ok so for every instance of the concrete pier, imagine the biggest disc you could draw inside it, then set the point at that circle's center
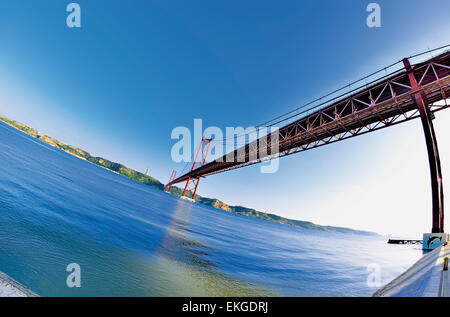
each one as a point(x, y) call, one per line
point(426, 278)
point(11, 288)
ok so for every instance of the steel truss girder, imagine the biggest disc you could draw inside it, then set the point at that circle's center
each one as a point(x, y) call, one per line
point(382, 104)
point(343, 136)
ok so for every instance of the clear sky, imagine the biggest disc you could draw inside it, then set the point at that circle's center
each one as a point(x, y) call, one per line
point(135, 70)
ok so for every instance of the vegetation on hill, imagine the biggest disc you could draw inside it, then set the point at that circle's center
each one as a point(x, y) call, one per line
point(148, 180)
point(102, 162)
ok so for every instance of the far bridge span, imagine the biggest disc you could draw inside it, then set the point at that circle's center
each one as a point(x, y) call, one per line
point(413, 91)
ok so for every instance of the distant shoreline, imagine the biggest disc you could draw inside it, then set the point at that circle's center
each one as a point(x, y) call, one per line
point(150, 181)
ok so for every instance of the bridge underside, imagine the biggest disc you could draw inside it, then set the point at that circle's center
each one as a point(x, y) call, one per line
point(379, 105)
point(410, 93)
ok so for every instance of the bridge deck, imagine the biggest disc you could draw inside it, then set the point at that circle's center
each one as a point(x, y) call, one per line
point(382, 103)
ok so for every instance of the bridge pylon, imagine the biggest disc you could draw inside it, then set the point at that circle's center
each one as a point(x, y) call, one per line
point(172, 177)
point(192, 182)
point(418, 95)
point(426, 117)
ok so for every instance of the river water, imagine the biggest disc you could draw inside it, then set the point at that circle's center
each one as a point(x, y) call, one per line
point(132, 240)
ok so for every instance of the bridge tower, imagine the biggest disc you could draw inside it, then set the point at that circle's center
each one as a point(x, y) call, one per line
point(419, 97)
point(192, 182)
point(172, 177)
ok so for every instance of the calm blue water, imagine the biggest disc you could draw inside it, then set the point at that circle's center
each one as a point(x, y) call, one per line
point(132, 240)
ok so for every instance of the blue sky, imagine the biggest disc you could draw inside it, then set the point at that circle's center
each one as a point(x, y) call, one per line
point(135, 70)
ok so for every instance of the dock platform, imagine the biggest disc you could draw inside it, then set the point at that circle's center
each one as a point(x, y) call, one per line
point(428, 277)
point(11, 288)
point(404, 241)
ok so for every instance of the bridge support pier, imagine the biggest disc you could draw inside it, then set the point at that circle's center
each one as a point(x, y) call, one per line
point(433, 156)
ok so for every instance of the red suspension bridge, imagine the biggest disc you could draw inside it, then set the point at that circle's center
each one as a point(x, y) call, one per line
point(413, 91)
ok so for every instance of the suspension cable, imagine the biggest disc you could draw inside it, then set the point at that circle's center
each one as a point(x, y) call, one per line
point(291, 114)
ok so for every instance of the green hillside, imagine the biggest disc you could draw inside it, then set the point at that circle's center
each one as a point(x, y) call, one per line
point(148, 180)
point(112, 166)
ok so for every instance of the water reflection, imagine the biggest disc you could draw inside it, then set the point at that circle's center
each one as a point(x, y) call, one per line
point(186, 261)
point(178, 246)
